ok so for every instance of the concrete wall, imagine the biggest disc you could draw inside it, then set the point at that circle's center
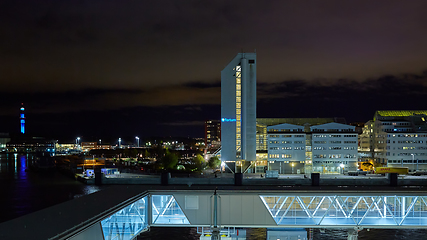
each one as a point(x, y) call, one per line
point(291, 181)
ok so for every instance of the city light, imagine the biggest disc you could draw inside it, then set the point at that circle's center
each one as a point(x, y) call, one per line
point(137, 138)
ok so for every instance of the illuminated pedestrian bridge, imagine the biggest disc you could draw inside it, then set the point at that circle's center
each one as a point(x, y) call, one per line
point(268, 210)
point(117, 218)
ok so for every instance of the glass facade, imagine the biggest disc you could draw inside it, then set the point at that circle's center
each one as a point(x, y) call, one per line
point(165, 210)
point(348, 210)
point(127, 223)
point(286, 210)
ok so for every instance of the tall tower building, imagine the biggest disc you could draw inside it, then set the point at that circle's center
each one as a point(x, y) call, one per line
point(238, 110)
point(22, 118)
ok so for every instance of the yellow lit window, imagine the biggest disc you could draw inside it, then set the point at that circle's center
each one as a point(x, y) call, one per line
point(238, 118)
point(238, 93)
point(238, 80)
point(238, 123)
point(238, 111)
point(238, 99)
point(238, 87)
point(238, 105)
point(238, 74)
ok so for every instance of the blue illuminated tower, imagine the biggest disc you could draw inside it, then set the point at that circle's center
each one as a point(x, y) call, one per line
point(22, 118)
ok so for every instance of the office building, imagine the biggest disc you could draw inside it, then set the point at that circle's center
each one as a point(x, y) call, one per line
point(212, 133)
point(238, 111)
point(397, 138)
point(325, 148)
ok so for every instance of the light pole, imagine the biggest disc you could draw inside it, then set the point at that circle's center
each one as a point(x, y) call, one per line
point(120, 142)
point(292, 164)
point(100, 142)
point(342, 167)
point(413, 164)
point(77, 141)
point(137, 139)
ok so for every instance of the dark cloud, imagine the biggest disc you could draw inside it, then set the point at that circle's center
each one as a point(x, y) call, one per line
point(354, 100)
point(68, 45)
point(325, 58)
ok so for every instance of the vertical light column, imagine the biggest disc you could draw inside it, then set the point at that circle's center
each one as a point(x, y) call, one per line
point(238, 110)
point(22, 118)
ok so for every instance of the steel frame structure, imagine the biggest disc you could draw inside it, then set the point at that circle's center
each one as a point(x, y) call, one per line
point(287, 210)
point(347, 210)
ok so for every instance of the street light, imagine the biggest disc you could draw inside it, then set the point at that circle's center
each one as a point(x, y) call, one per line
point(120, 142)
point(100, 143)
point(292, 164)
point(342, 167)
point(77, 140)
point(137, 138)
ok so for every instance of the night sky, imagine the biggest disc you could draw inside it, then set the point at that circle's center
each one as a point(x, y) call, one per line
point(152, 68)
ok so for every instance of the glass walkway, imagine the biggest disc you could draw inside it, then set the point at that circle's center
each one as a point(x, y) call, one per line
point(287, 210)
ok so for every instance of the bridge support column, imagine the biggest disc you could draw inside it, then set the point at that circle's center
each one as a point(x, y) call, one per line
point(238, 179)
point(393, 177)
point(315, 179)
point(215, 230)
point(164, 178)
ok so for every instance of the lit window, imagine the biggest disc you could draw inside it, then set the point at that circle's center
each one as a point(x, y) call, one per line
point(238, 80)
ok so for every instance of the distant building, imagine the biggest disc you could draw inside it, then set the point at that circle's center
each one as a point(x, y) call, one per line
point(324, 148)
point(212, 133)
point(87, 146)
point(4, 139)
point(366, 143)
point(31, 145)
point(398, 138)
point(64, 148)
point(261, 163)
point(238, 110)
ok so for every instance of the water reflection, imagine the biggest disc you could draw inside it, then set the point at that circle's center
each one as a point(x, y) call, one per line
point(25, 191)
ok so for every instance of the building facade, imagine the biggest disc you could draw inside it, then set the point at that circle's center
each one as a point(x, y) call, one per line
point(286, 148)
point(4, 139)
point(212, 133)
point(238, 110)
point(334, 148)
point(398, 139)
point(324, 148)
